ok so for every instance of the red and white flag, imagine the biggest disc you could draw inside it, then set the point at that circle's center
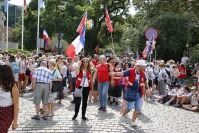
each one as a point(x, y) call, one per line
point(82, 24)
point(25, 7)
point(97, 48)
point(108, 21)
point(46, 39)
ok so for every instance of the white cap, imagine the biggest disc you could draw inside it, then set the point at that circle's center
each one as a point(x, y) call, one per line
point(140, 63)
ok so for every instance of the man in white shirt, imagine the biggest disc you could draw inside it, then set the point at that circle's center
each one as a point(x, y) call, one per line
point(73, 71)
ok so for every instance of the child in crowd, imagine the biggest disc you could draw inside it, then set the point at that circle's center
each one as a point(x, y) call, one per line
point(164, 98)
point(183, 98)
point(173, 93)
point(193, 106)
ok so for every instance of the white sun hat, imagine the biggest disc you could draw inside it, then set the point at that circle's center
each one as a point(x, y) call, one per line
point(140, 63)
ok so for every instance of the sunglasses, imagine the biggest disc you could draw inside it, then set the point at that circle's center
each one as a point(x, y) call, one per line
point(85, 61)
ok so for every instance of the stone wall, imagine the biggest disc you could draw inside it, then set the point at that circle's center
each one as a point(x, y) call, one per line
point(11, 45)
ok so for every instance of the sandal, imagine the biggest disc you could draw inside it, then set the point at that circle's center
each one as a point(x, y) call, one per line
point(42, 112)
point(45, 117)
point(36, 117)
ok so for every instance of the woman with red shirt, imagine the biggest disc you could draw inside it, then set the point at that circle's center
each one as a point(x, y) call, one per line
point(84, 78)
point(116, 92)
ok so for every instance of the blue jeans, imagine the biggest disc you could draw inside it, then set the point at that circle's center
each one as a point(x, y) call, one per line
point(103, 93)
point(181, 82)
point(137, 104)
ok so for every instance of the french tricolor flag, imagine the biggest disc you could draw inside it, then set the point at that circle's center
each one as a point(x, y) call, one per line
point(46, 39)
point(76, 46)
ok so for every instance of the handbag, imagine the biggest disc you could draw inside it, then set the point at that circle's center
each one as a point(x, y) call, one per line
point(130, 94)
point(78, 91)
point(56, 85)
point(51, 99)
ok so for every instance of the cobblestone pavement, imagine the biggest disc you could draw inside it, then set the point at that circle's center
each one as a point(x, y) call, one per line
point(155, 118)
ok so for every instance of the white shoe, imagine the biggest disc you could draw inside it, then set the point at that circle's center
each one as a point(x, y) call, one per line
point(167, 103)
point(122, 119)
point(134, 125)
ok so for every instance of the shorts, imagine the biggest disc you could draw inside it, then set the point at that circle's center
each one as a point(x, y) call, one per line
point(22, 77)
point(54, 95)
point(16, 77)
point(137, 104)
point(150, 83)
point(41, 93)
point(156, 81)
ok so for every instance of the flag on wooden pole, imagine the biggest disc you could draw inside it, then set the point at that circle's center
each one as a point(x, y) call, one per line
point(108, 21)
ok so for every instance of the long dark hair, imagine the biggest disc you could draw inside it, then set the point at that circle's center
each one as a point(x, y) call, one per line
point(7, 80)
point(89, 66)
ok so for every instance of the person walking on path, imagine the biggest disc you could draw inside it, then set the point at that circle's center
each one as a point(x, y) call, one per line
point(84, 80)
point(42, 86)
point(9, 103)
point(137, 82)
point(104, 81)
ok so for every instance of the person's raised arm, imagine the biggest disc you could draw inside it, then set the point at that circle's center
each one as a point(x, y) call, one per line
point(78, 69)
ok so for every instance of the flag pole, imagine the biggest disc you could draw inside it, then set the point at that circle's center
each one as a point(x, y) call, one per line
point(7, 28)
point(22, 32)
point(37, 41)
point(112, 40)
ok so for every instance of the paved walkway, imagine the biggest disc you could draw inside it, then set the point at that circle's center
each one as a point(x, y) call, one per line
point(156, 118)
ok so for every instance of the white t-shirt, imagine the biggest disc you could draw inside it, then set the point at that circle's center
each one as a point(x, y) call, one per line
point(184, 60)
point(84, 82)
point(6, 99)
point(64, 70)
point(75, 65)
point(175, 92)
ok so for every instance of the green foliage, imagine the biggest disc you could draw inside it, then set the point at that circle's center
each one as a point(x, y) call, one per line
point(15, 51)
point(64, 16)
point(194, 54)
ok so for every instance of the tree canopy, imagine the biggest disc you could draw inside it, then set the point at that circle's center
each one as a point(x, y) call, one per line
point(176, 21)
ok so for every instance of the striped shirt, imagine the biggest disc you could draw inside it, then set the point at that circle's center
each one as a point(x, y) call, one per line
point(42, 74)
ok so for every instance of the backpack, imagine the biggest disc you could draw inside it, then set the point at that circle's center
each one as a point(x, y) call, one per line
point(15, 67)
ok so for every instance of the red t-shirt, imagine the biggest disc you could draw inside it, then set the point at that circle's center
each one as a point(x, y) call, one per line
point(95, 62)
point(116, 78)
point(103, 73)
point(182, 70)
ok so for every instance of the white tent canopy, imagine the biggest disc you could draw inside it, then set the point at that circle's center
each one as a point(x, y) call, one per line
point(18, 2)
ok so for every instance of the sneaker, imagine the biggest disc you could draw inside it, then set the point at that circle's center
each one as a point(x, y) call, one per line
point(84, 118)
point(134, 125)
point(72, 102)
point(167, 103)
point(100, 108)
point(45, 117)
point(74, 117)
point(122, 119)
point(104, 109)
point(179, 105)
point(36, 117)
point(175, 105)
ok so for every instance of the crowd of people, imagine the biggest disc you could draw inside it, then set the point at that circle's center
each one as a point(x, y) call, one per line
point(102, 78)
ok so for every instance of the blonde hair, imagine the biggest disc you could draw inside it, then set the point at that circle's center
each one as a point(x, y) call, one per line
point(53, 62)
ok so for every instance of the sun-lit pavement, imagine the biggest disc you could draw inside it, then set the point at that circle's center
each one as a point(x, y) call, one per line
point(156, 118)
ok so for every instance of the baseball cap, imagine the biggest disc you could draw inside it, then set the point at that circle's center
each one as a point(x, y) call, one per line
point(140, 63)
point(193, 88)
